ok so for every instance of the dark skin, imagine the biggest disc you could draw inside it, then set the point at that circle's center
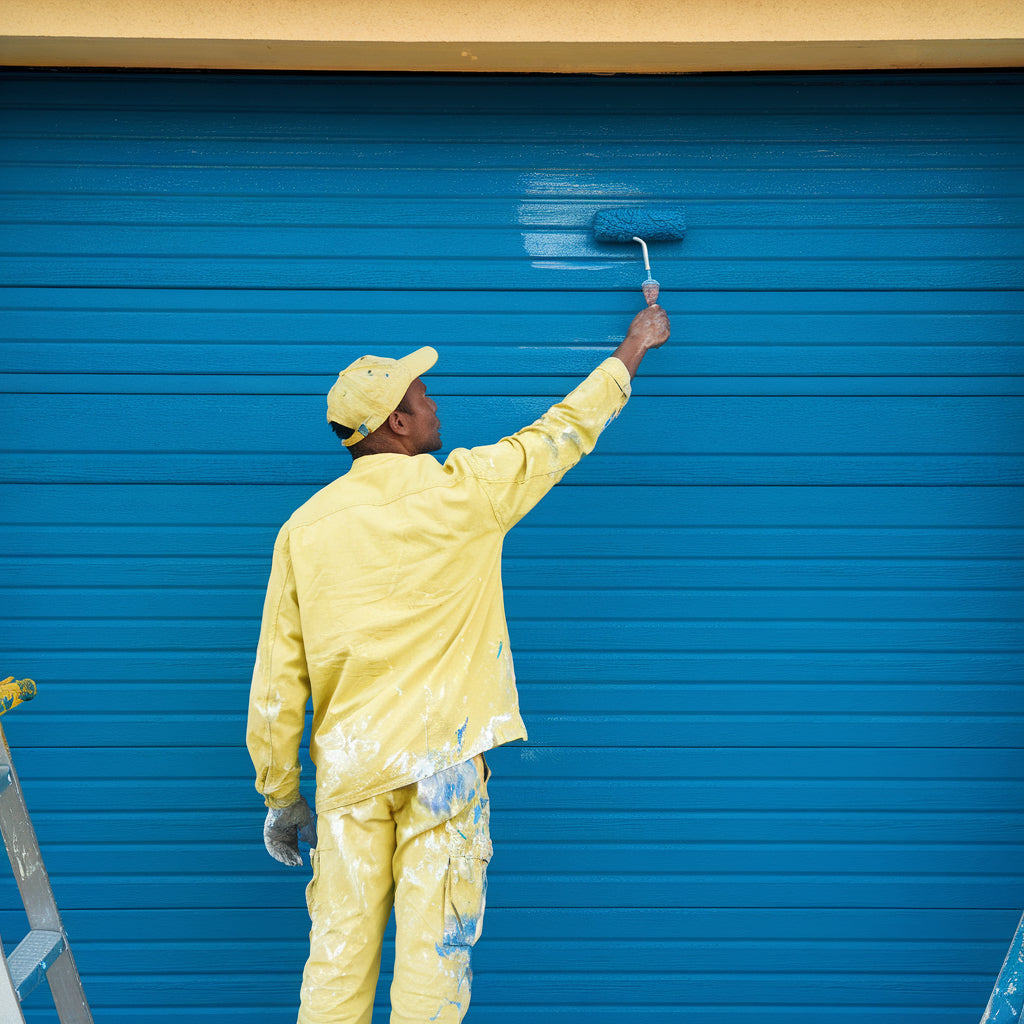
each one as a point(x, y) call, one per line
point(414, 428)
point(649, 329)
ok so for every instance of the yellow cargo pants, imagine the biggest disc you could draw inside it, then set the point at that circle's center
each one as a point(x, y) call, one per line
point(424, 850)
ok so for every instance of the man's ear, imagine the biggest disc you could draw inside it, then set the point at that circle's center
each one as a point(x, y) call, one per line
point(398, 422)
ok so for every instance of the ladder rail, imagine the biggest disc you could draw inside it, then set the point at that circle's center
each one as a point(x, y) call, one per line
point(1006, 1004)
point(22, 843)
point(10, 1004)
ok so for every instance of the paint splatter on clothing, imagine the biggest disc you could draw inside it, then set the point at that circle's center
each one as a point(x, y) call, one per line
point(424, 849)
point(385, 608)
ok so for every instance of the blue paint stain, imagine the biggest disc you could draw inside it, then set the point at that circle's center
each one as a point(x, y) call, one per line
point(501, 644)
point(461, 930)
point(462, 732)
point(446, 1004)
point(444, 792)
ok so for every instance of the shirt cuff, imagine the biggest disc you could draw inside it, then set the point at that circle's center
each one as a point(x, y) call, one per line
point(616, 369)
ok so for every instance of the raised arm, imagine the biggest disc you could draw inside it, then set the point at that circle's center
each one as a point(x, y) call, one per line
point(649, 329)
point(519, 470)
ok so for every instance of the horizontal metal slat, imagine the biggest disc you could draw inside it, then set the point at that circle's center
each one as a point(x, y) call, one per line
point(240, 825)
point(914, 929)
point(573, 953)
point(130, 669)
point(796, 386)
point(670, 795)
point(77, 600)
point(839, 543)
point(531, 212)
point(771, 889)
point(542, 635)
point(381, 277)
point(537, 177)
point(433, 242)
point(314, 471)
point(950, 770)
point(839, 427)
point(685, 992)
point(578, 568)
point(524, 855)
point(226, 504)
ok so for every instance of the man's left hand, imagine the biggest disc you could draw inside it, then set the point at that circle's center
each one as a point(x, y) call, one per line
point(283, 829)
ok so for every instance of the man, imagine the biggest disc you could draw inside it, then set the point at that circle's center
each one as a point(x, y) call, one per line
point(385, 606)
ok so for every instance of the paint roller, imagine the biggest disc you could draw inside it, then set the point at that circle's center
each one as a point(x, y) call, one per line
point(643, 225)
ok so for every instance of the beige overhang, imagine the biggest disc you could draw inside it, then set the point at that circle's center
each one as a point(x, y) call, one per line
point(599, 36)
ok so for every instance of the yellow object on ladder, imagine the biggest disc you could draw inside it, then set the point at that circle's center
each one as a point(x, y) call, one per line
point(14, 691)
point(44, 952)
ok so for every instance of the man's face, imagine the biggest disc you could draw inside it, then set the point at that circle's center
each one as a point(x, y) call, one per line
point(422, 413)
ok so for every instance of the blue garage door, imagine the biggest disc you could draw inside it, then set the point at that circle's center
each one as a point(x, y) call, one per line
point(768, 637)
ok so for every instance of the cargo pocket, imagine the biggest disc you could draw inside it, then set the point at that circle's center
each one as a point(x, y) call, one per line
point(465, 892)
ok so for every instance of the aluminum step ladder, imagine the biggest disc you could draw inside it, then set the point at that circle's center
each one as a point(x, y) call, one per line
point(44, 952)
point(1006, 1005)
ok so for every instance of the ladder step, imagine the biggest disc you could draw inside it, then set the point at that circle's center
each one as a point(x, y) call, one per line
point(32, 958)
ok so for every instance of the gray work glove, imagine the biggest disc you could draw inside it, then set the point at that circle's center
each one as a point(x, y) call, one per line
point(283, 829)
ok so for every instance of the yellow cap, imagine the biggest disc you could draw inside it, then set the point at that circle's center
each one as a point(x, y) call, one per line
point(369, 390)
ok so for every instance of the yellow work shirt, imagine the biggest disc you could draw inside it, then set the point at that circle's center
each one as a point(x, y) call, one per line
point(385, 605)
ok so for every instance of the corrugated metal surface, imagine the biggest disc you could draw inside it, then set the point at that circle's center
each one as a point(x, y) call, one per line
point(768, 637)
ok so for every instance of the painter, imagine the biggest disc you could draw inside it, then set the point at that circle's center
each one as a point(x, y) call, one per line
point(385, 610)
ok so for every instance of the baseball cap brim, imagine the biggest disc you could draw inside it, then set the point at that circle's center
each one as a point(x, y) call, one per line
point(417, 363)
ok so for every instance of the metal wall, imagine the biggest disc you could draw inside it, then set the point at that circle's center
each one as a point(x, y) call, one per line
point(768, 636)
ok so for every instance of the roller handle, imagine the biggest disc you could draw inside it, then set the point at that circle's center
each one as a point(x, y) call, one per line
point(650, 287)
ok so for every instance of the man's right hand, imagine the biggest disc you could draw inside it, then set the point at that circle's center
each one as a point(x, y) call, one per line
point(650, 326)
point(650, 329)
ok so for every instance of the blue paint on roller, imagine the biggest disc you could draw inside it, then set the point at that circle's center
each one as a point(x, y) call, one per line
point(651, 223)
point(642, 224)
